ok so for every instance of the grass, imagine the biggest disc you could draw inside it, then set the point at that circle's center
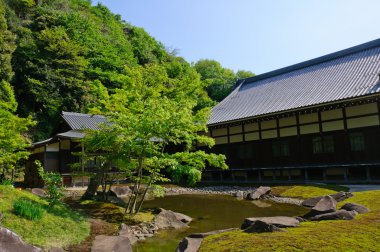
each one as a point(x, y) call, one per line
point(27, 209)
point(59, 227)
point(307, 191)
point(360, 234)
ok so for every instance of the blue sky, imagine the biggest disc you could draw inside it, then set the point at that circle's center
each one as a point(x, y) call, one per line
point(254, 35)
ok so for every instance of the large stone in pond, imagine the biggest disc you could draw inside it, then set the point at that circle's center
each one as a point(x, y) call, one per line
point(338, 215)
point(258, 193)
point(325, 205)
point(278, 221)
point(261, 227)
point(38, 191)
point(167, 219)
point(104, 243)
point(355, 207)
point(121, 191)
point(183, 217)
point(11, 242)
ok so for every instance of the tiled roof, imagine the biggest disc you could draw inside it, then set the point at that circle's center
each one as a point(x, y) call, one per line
point(78, 121)
point(349, 73)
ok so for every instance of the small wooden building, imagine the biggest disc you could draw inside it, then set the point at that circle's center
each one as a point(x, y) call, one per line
point(314, 121)
point(56, 153)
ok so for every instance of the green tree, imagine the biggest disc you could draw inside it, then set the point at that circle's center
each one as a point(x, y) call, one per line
point(152, 128)
point(217, 79)
point(13, 139)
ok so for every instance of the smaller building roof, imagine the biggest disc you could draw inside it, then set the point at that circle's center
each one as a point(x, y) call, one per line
point(79, 121)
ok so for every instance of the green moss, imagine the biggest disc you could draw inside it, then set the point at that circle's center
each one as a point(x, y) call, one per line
point(59, 227)
point(307, 191)
point(360, 234)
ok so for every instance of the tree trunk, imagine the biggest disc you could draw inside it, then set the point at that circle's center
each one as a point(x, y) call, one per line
point(92, 187)
point(144, 194)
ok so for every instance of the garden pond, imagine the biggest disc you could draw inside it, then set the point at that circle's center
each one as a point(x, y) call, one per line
point(209, 212)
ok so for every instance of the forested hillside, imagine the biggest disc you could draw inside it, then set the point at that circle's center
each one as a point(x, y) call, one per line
point(70, 55)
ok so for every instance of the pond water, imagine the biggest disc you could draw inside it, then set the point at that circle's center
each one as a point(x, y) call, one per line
point(209, 212)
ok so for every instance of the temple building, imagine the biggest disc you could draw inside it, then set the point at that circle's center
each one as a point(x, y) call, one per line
point(57, 154)
point(315, 121)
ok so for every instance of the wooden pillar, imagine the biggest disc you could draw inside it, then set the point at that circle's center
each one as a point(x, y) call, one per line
point(82, 163)
point(306, 175)
point(368, 172)
point(345, 174)
point(289, 175)
point(260, 178)
point(324, 174)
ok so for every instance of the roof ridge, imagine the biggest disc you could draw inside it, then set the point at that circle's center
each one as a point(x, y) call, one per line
point(81, 114)
point(314, 61)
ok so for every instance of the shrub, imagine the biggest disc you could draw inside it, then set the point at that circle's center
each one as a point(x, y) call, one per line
point(53, 184)
point(7, 182)
point(27, 209)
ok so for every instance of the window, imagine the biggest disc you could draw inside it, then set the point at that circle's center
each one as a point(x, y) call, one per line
point(280, 149)
point(357, 141)
point(323, 144)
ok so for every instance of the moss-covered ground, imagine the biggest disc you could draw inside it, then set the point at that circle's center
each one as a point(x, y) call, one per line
point(59, 227)
point(360, 234)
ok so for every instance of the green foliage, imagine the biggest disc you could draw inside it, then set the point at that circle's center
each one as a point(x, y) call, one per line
point(153, 112)
point(53, 184)
point(13, 140)
point(6, 182)
point(218, 80)
point(28, 209)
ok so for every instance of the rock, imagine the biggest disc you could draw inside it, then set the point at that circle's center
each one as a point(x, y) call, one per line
point(11, 242)
point(167, 219)
point(300, 219)
point(121, 191)
point(355, 207)
point(326, 204)
point(311, 202)
point(192, 242)
point(278, 221)
point(258, 193)
point(338, 215)
point(261, 226)
point(183, 217)
point(104, 243)
point(239, 195)
point(38, 191)
point(340, 196)
point(189, 244)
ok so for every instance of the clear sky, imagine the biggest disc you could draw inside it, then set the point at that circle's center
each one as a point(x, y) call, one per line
point(255, 35)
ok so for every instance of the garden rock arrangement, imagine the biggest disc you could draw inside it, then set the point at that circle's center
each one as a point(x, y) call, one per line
point(129, 235)
point(325, 208)
point(340, 196)
point(11, 242)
